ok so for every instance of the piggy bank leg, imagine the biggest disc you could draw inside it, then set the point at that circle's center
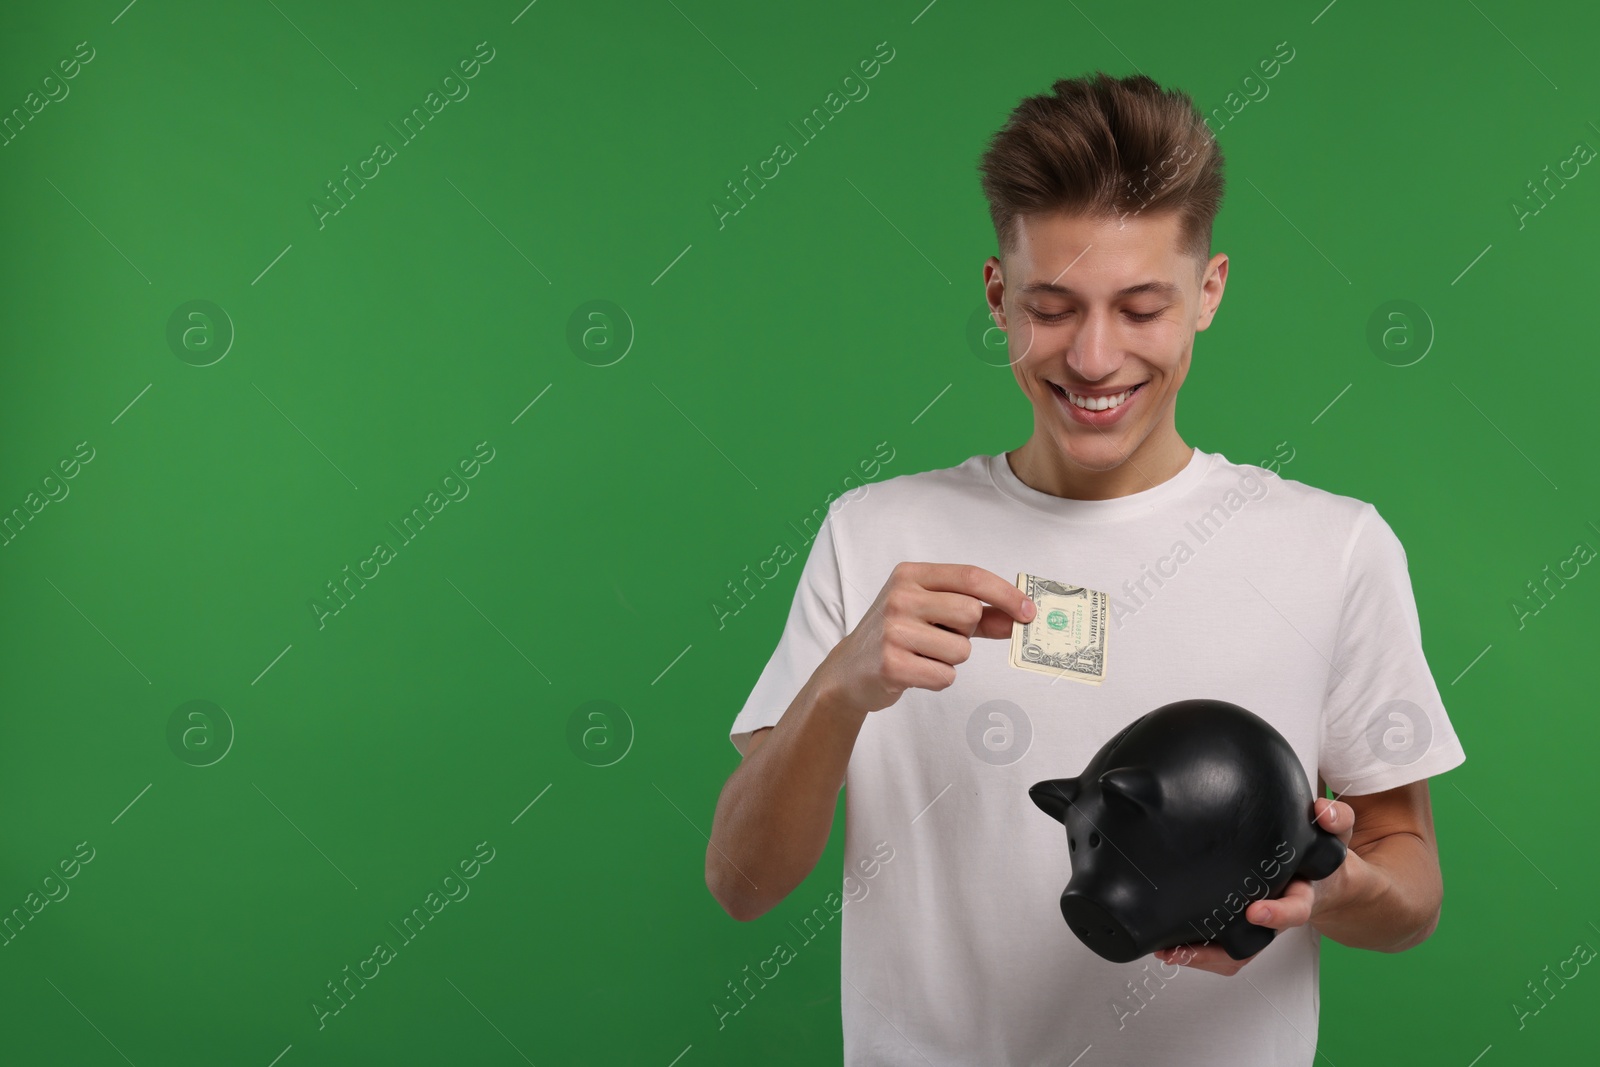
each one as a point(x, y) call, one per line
point(1243, 938)
point(1322, 858)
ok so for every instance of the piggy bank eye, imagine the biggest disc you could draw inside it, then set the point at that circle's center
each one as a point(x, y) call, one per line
point(1094, 840)
point(1072, 844)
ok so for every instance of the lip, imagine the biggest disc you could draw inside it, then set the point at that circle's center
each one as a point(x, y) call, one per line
point(1108, 417)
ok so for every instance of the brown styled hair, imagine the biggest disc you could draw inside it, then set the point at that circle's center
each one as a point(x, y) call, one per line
point(1105, 147)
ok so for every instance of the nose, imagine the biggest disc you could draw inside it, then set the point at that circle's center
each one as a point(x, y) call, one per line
point(1094, 353)
point(1098, 927)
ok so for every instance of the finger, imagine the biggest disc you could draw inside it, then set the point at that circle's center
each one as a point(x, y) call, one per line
point(955, 612)
point(1336, 817)
point(995, 624)
point(1212, 958)
point(1282, 913)
point(1186, 953)
point(1324, 812)
point(974, 581)
point(1200, 956)
point(932, 642)
point(1346, 821)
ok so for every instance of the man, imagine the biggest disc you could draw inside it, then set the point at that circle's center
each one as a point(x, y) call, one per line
point(1226, 581)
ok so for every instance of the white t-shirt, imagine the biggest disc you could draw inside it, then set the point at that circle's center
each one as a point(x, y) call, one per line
point(1227, 582)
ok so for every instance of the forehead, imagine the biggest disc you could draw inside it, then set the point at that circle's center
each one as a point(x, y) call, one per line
point(1089, 254)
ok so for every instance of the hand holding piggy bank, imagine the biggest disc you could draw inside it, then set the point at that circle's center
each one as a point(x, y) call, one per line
point(1183, 818)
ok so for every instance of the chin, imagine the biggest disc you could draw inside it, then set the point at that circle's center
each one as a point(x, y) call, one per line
point(1096, 454)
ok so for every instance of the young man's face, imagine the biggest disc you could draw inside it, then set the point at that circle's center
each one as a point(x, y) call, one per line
point(1070, 326)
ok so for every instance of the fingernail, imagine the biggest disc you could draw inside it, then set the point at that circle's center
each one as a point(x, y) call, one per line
point(1266, 915)
point(1027, 605)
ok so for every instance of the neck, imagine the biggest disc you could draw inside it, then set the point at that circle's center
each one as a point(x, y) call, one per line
point(1042, 464)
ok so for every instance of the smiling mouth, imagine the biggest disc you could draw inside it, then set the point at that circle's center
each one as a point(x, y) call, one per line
point(1098, 403)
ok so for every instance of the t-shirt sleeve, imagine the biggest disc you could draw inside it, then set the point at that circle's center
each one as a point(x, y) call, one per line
point(814, 627)
point(1384, 724)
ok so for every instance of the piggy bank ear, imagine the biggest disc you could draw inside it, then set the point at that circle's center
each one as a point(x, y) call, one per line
point(1054, 796)
point(1131, 786)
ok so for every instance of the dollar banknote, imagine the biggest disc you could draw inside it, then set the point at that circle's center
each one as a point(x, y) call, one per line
point(1067, 635)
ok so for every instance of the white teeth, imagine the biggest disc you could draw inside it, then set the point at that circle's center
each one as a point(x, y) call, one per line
point(1099, 403)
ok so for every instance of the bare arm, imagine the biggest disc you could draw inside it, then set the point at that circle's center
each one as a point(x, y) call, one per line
point(1392, 892)
point(776, 809)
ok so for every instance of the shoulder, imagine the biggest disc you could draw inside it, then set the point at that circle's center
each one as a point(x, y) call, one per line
point(1300, 522)
point(1286, 499)
point(905, 495)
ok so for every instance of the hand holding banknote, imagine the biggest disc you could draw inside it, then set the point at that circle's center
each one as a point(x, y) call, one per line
point(919, 628)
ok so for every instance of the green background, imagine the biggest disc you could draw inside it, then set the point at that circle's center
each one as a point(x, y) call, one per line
point(362, 759)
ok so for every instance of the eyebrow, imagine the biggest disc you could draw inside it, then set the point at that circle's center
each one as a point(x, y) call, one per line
point(1161, 288)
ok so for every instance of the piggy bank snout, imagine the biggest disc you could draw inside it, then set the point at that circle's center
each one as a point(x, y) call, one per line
point(1098, 927)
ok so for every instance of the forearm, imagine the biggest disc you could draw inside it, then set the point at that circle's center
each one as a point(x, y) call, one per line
point(776, 810)
point(1388, 898)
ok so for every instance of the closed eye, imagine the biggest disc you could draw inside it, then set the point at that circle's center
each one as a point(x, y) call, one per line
point(1133, 315)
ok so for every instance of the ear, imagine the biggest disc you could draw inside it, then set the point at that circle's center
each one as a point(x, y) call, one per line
point(1053, 796)
point(1134, 786)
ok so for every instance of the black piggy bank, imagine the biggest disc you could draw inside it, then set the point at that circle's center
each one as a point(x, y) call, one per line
point(1191, 812)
